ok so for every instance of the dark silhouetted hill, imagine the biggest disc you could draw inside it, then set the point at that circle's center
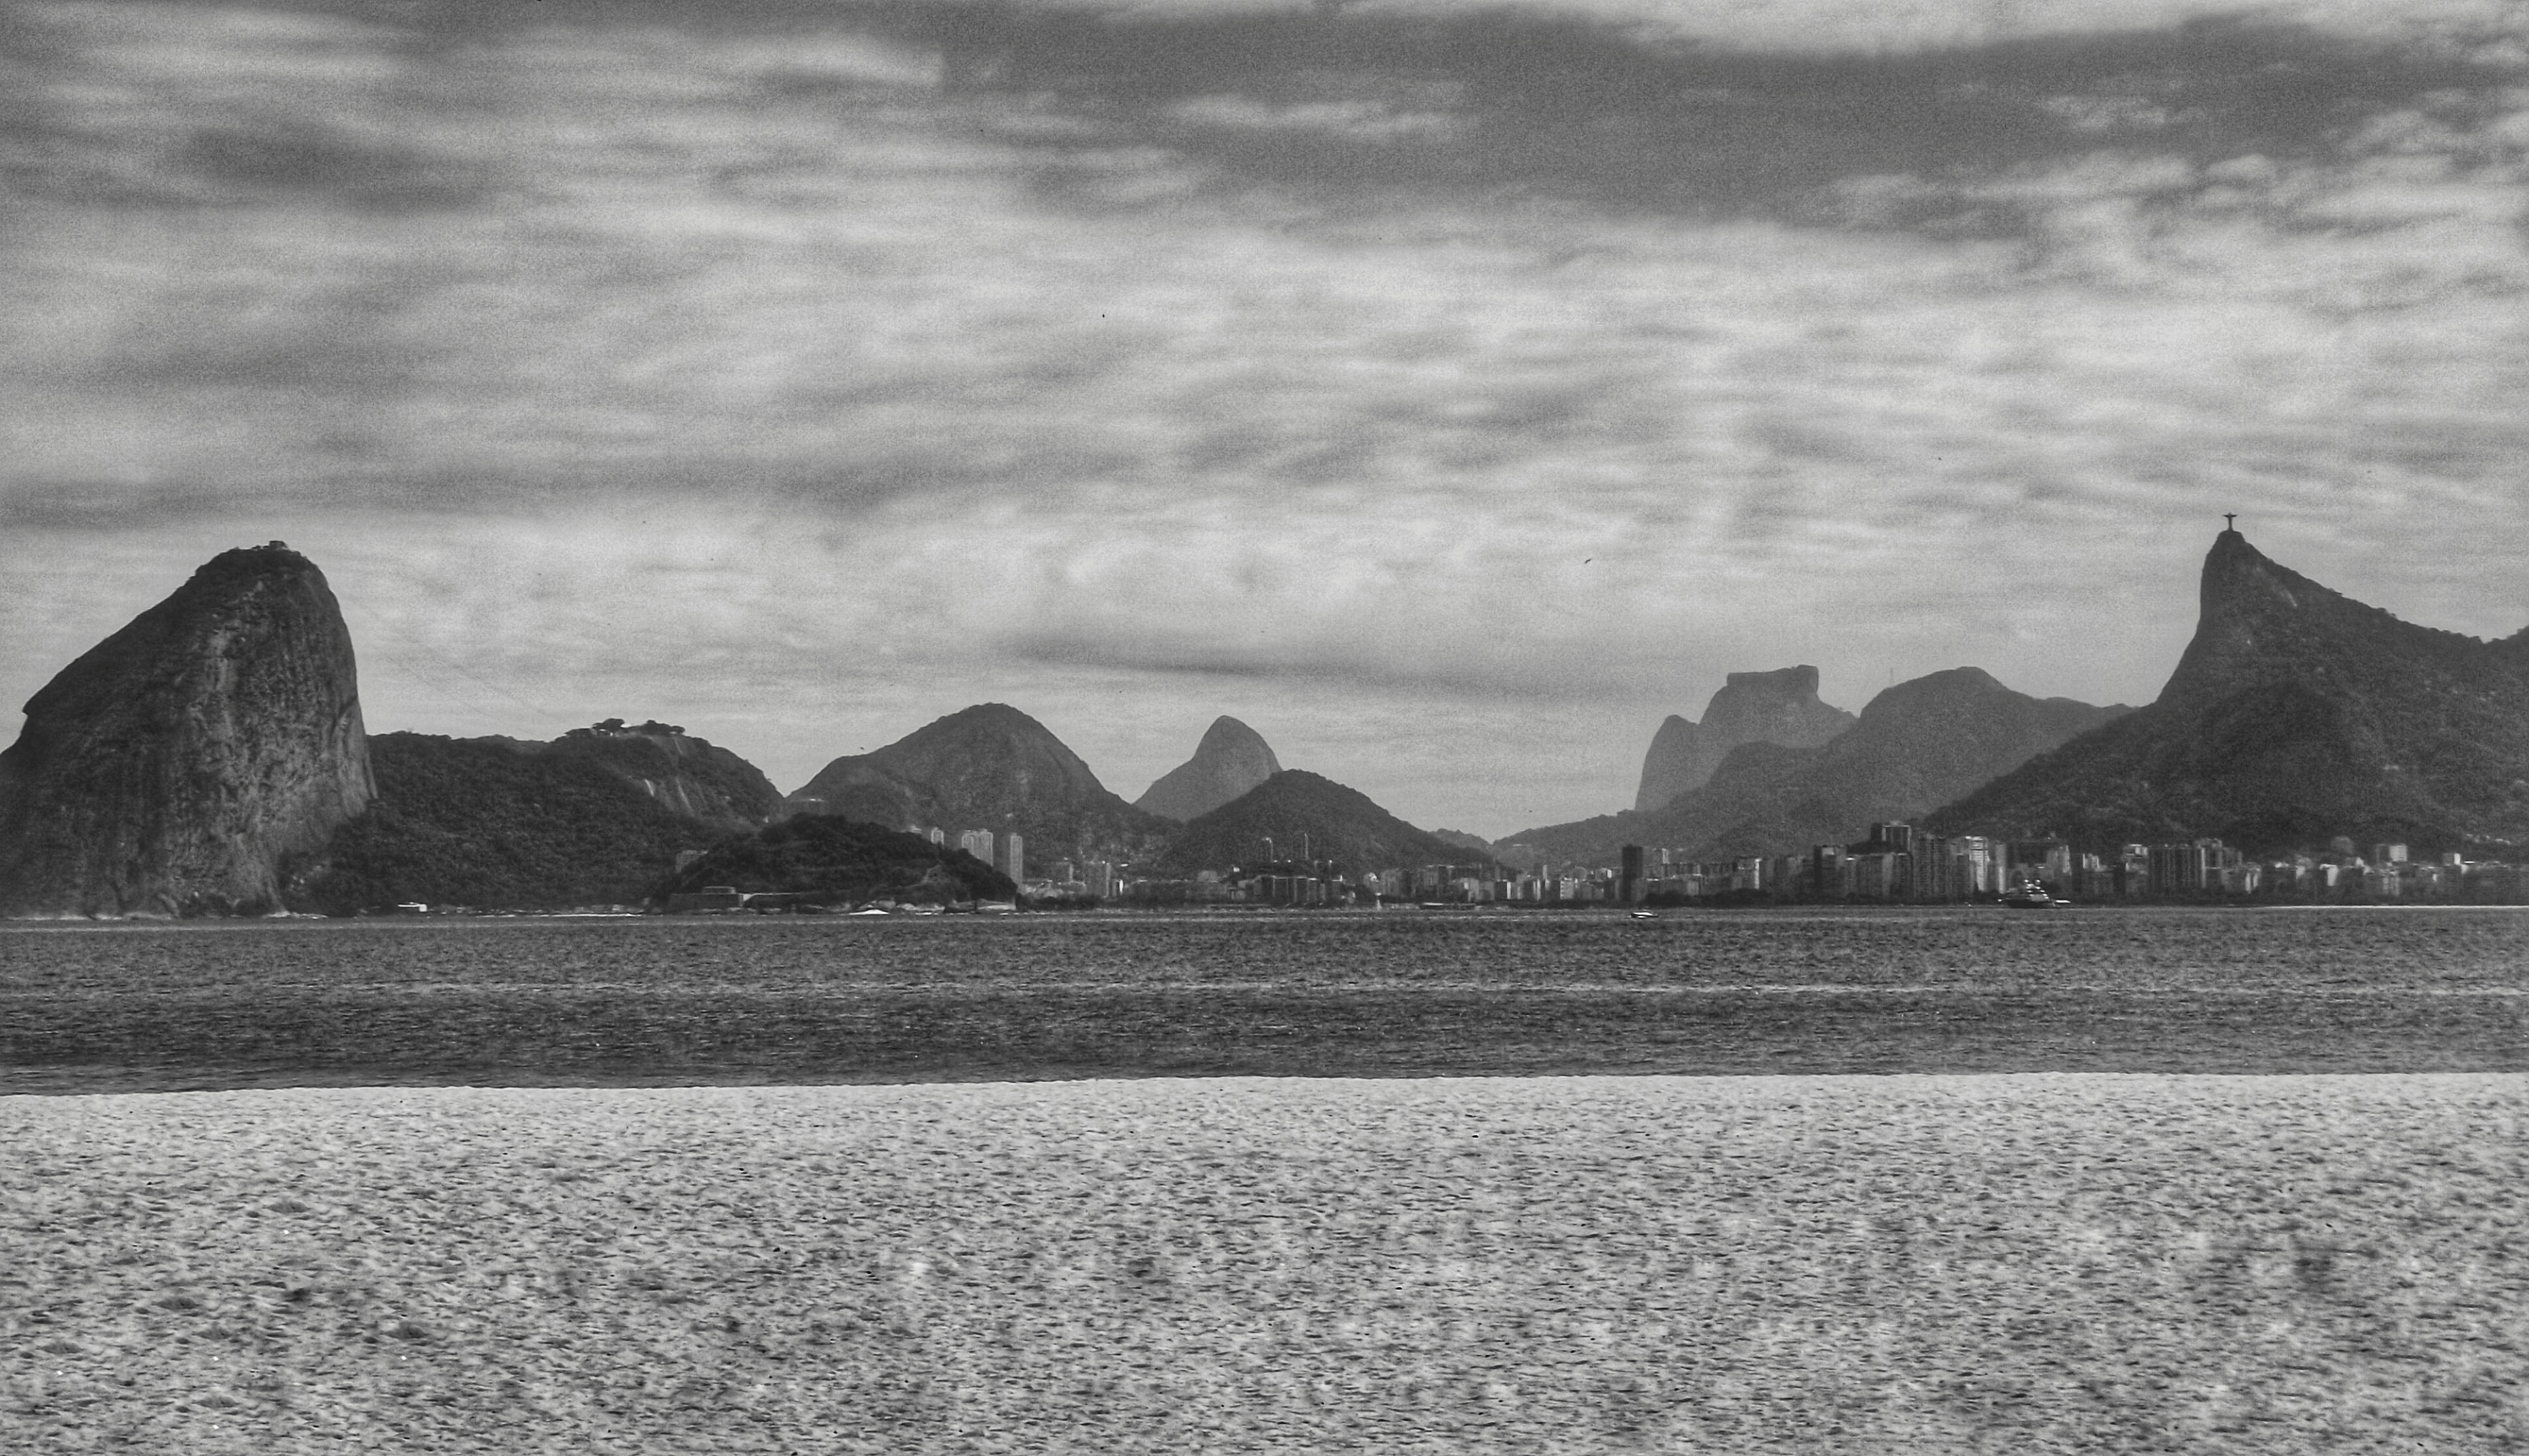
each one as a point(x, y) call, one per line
point(2296, 714)
point(498, 824)
point(1307, 814)
point(833, 861)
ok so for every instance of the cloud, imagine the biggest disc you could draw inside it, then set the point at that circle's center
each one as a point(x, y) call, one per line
point(1530, 369)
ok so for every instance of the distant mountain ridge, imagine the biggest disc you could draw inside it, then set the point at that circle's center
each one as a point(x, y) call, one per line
point(1231, 759)
point(1914, 746)
point(210, 758)
point(988, 767)
point(2295, 714)
point(1780, 707)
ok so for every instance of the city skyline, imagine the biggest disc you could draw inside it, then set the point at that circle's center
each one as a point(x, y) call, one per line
point(1449, 396)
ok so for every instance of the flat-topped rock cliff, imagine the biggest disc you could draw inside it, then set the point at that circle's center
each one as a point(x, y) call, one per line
point(181, 764)
point(1778, 707)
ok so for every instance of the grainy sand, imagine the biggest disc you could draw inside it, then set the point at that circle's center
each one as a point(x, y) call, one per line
point(1731, 1264)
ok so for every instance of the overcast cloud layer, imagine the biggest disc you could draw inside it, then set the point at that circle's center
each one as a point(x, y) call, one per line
point(1448, 393)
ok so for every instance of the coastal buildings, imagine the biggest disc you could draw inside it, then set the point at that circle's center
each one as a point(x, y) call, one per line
point(1895, 863)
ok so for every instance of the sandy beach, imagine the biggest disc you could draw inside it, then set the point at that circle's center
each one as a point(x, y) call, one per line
point(2091, 1263)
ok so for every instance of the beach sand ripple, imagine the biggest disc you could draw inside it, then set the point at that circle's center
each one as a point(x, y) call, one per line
point(2019, 1263)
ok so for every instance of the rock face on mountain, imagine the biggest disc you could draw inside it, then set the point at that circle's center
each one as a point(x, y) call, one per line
point(179, 765)
point(687, 776)
point(1231, 759)
point(1915, 746)
point(987, 767)
point(1306, 816)
point(1778, 707)
point(2296, 714)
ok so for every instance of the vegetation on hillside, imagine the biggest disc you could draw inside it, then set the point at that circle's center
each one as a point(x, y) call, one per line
point(495, 825)
point(988, 767)
point(689, 775)
point(832, 860)
point(2297, 714)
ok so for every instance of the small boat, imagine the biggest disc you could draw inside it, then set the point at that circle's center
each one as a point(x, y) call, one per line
point(1641, 915)
point(2030, 896)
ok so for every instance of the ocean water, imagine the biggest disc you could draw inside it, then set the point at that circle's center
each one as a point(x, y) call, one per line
point(788, 999)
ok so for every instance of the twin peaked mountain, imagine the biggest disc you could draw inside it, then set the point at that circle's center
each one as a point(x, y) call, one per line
point(211, 758)
point(1233, 804)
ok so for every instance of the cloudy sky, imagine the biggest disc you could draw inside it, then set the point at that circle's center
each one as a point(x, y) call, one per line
point(1450, 391)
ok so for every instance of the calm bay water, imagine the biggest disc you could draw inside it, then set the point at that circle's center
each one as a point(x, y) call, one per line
point(813, 1000)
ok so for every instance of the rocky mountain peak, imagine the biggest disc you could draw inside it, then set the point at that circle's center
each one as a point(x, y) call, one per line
point(2295, 714)
point(1780, 706)
point(1231, 759)
point(2262, 622)
point(177, 765)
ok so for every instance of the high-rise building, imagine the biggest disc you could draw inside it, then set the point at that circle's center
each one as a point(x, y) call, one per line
point(938, 835)
point(1877, 876)
point(1013, 861)
point(1830, 872)
point(977, 842)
